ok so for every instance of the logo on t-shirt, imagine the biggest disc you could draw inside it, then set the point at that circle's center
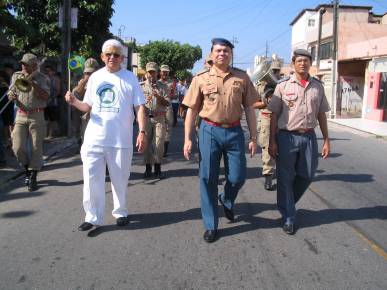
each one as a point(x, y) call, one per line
point(107, 98)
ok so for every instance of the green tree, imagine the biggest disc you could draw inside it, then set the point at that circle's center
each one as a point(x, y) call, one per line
point(183, 74)
point(177, 56)
point(33, 25)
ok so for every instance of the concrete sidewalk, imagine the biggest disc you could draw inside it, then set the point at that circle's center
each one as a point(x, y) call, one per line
point(50, 147)
point(373, 127)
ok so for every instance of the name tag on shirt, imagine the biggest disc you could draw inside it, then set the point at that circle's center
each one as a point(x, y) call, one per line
point(210, 89)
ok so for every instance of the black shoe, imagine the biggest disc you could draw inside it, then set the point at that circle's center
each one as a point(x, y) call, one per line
point(229, 213)
point(288, 228)
point(122, 221)
point(28, 175)
point(85, 227)
point(148, 171)
point(158, 174)
point(33, 184)
point(210, 236)
point(268, 182)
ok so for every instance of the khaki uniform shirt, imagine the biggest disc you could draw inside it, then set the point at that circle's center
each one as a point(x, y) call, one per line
point(150, 90)
point(30, 100)
point(260, 90)
point(298, 107)
point(220, 99)
point(171, 91)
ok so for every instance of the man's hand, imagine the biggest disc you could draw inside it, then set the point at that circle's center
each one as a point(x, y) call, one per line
point(273, 149)
point(12, 96)
point(141, 142)
point(326, 149)
point(69, 97)
point(252, 148)
point(187, 149)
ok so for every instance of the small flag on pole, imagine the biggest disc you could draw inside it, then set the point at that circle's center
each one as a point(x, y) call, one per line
point(76, 63)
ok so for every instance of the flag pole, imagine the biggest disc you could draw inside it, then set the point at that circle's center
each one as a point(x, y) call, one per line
point(69, 89)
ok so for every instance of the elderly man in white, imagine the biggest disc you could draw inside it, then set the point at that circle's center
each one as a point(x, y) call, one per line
point(111, 94)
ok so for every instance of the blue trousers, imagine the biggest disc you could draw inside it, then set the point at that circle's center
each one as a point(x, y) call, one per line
point(215, 142)
point(296, 166)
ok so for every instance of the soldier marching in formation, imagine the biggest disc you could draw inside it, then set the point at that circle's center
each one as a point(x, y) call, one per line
point(30, 90)
point(157, 103)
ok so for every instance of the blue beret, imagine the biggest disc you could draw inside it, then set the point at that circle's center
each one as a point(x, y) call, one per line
point(222, 41)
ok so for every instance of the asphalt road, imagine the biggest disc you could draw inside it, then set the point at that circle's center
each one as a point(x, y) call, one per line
point(341, 242)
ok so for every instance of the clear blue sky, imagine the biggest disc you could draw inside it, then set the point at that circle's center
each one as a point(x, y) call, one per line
point(251, 22)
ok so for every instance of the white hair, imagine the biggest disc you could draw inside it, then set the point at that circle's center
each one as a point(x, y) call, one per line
point(112, 42)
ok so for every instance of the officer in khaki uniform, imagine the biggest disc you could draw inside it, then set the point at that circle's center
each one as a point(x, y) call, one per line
point(29, 117)
point(265, 92)
point(219, 95)
point(156, 108)
point(298, 105)
point(172, 95)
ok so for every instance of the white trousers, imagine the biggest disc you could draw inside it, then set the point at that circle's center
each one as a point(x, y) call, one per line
point(95, 159)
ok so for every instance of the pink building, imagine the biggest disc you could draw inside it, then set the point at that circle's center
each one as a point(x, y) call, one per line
point(362, 56)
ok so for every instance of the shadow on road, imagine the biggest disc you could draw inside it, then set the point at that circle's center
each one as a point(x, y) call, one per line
point(18, 214)
point(247, 219)
point(310, 218)
point(20, 195)
point(358, 178)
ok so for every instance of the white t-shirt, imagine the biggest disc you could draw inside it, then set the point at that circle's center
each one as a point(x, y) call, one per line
point(112, 97)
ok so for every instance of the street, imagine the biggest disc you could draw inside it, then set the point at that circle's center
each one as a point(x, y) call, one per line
point(340, 243)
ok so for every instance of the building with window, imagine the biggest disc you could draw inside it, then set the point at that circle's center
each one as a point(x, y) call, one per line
point(362, 56)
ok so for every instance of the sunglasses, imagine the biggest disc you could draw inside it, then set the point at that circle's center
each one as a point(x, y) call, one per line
point(115, 55)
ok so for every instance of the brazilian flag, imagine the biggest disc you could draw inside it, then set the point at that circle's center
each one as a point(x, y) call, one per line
point(76, 64)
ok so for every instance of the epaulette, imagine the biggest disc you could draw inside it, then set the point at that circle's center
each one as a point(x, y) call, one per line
point(284, 79)
point(141, 83)
point(204, 70)
point(18, 72)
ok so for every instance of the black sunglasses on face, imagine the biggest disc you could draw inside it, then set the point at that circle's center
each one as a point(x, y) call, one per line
point(115, 55)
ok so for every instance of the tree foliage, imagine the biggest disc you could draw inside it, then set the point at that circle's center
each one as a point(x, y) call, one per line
point(177, 56)
point(33, 25)
point(183, 75)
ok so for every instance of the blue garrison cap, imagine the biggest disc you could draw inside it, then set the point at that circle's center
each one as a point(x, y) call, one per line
point(222, 41)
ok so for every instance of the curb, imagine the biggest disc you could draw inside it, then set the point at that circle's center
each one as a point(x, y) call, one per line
point(57, 148)
point(360, 130)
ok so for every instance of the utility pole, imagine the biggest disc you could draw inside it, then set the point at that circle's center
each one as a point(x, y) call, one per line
point(234, 41)
point(334, 59)
point(66, 47)
point(266, 49)
point(321, 13)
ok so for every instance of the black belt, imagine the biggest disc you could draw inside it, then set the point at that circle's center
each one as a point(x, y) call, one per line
point(299, 131)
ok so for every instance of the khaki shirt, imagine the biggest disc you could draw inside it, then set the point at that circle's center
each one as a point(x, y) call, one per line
point(150, 90)
point(30, 100)
point(260, 90)
point(220, 99)
point(298, 107)
point(171, 89)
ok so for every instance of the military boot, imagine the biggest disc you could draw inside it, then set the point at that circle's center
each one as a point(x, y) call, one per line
point(158, 174)
point(28, 175)
point(33, 185)
point(148, 171)
point(268, 182)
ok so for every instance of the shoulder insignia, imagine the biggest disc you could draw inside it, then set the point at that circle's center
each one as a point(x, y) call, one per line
point(284, 79)
point(202, 71)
